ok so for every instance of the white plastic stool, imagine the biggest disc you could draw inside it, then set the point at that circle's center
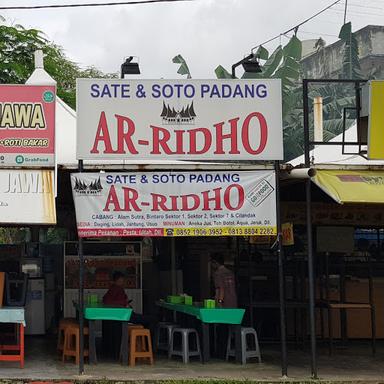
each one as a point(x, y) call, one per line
point(246, 351)
point(163, 335)
point(185, 352)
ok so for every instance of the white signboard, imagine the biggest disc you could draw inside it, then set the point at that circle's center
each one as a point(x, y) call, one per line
point(179, 119)
point(27, 197)
point(175, 204)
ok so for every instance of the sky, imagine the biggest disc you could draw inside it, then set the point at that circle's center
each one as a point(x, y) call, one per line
point(206, 33)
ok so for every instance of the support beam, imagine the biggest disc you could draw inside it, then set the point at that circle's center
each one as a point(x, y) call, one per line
point(280, 253)
point(81, 294)
point(311, 281)
point(173, 266)
point(311, 275)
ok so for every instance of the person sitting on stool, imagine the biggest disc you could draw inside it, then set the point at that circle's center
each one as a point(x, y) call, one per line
point(117, 297)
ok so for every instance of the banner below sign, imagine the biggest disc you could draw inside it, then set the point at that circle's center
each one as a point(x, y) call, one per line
point(175, 204)
point(179, 119)
point(27, 125)
point(27, 197)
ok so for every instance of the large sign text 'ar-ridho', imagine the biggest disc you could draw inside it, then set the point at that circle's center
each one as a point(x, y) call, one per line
point(27, 125)
point(176, 119)
point(175, 204)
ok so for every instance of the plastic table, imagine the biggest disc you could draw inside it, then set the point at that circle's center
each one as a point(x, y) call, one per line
point(207, 316)
point(13, 315)
point(97, 312)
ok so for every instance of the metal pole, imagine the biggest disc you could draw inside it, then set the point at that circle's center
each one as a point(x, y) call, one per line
point(345, 11)
point(306, 123)
point(311, 278)
point(81, 294)
point(280, 253)
point(358, 113)
point(173, 266)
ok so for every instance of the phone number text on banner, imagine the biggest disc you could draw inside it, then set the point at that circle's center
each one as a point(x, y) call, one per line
point(175, 204)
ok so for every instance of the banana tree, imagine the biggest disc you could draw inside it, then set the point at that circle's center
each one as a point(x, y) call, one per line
point(284, 63)
point(336, 97)
point(351, 64)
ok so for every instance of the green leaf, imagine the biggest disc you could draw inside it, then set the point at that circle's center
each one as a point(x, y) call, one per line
point(292, 63)
point(345, 31)
point(262, 53)
point(273, 62)
point(286, 73)
point(293, 48)
point(183, 69)
point(351, 64)
point(222, 73)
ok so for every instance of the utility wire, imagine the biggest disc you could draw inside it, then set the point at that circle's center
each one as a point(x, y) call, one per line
point(135, 2)
point(317, 33)
point(357, 13)
point(362, 6)
point(296, 27)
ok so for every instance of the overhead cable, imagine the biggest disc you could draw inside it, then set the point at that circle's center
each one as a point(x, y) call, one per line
point(296, 27)
point(51, 6)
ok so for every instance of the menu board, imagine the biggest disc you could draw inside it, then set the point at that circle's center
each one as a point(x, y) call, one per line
point(98, 272)
point(99, 268)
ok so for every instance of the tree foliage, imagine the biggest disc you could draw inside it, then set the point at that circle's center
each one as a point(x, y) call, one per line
point(284, 63)
point(351, 64)
point(12, 235)
point(17, 47)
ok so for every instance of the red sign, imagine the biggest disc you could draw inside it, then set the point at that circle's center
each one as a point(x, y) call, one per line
point(27, 125)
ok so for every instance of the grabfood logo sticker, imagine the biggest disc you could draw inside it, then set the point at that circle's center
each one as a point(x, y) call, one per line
point(259, 193)
point(48, 96)
point(82, 188)
point(19, 159)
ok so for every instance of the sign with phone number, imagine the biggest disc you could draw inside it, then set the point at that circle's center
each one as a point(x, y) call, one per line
point(223, 231)
point(158, 204)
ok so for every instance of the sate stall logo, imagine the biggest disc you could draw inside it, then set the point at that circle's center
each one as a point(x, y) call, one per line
point(82, 188)
point(184, 116)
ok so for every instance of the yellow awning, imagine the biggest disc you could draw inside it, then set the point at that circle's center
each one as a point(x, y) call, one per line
point(352, 186)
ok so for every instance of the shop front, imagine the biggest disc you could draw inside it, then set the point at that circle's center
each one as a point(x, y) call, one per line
point(156, 220)
point(27, 197)
point(181, 122)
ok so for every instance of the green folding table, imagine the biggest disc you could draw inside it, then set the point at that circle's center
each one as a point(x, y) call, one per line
point(97, 312)
point(207, 316)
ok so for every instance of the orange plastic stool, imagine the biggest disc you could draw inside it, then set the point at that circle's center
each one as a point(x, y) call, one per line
point(72, 342)
point(140, 346)
point(131, 327)
point(63, 324)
